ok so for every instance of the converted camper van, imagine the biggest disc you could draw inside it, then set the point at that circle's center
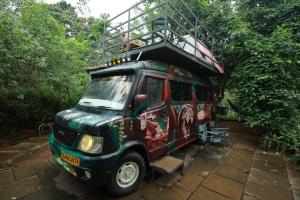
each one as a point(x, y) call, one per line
point(149, 97)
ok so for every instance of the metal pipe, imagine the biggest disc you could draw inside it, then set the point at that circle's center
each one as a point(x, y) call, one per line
point(166, 22)
point(195, 36)
point(103, 45)
point(133, 18)
point(135, 38)
point(135, 5)
point(128, 34)
point(139, 26)
point(178, 12)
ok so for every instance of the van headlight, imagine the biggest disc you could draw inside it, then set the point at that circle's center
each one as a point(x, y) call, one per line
point(91, 144)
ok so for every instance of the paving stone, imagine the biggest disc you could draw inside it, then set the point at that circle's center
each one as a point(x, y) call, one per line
point(64, 176)
point(189, 181)
point(6, 177)
point(6, 155)
point(203, 193)
point(240, 153)
point(43, 153)
point(201, 166)
point(223, 150)
point(153, 192)
point(187, 151)
point(231, 172)
point(137, 195)
point(168, 180)
point(291, 166)
point(53, 162)
point(51, 193)
point(39, 139)
point(48, 177)
point(249, 141)
point(133, 196)
point(102, 194)
point(296, 192)
point(247, 145)
point(241, 163)
point(270, 163)
point(248, 197)
point(232, 140)
point(20, 188)
point(212, 152)
point(23, 146)
point(294, 177)
point(76, 187)
point(265, 191)
point(245, 132)
point(31, 167)
point(224, 186)
point(270, 178)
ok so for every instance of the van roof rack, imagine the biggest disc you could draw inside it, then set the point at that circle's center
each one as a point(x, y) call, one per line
point(165, 30)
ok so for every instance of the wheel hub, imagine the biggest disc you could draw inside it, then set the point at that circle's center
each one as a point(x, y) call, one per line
point(127, 174)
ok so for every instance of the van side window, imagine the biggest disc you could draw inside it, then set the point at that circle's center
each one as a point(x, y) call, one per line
point(153, 88)
point(186, 92)
point(176, 92)
point(202, 93)
point(181, 91)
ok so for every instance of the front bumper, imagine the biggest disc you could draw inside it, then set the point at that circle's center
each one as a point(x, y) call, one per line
point(93, 168)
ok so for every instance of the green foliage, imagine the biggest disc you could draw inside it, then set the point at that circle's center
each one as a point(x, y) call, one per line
point(267, 89)
point(43, 51)
point(287, 139)
point(266, 16)
point(230, 116)
point(261, 57)
point(267, 70)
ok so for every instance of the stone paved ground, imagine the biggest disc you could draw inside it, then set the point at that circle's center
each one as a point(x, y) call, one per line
point(242, 171)
point(10, 154)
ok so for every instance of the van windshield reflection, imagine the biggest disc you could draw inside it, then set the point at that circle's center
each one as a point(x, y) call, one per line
point(108, 92)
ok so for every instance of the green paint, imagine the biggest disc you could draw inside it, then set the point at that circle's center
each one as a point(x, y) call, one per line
point(194, 89)
point(79, 124)
point(161, 122)
point(117, 133)
point(137, 110)
point(76, 125)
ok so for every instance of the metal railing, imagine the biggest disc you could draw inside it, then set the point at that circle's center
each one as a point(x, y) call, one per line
point(145, 24)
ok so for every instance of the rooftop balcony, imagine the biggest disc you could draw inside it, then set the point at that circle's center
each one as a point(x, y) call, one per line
point(165, 30)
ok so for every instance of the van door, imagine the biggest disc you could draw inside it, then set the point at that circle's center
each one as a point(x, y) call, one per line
point(154, 122)
point(181, 102)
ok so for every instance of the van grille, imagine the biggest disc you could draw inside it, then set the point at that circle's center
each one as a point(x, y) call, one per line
point(64, 135)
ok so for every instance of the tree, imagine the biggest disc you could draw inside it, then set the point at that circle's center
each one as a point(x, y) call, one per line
point(42, 67)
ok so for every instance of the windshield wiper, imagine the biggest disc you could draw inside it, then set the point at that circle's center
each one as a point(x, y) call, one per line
point(105, 107)
point(85, 102)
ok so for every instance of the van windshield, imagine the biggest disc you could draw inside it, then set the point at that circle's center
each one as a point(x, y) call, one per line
point(109, 92)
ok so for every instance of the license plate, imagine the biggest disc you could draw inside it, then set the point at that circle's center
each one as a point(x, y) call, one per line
point(70, 159)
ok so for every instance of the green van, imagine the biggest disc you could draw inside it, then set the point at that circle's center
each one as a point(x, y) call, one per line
point(129, 116)
point(136, 111)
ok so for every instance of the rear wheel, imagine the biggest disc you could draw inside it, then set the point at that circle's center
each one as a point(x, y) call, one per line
point(127, 175)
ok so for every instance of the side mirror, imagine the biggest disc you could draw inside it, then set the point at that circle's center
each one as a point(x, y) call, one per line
point(140, 103)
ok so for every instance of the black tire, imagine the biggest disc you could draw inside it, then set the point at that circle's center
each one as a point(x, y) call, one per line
point(113, 186)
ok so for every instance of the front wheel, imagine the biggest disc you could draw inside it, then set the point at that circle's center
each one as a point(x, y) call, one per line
point(127, 175)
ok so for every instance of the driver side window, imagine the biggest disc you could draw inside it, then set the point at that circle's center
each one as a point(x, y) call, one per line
point(153, 88)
